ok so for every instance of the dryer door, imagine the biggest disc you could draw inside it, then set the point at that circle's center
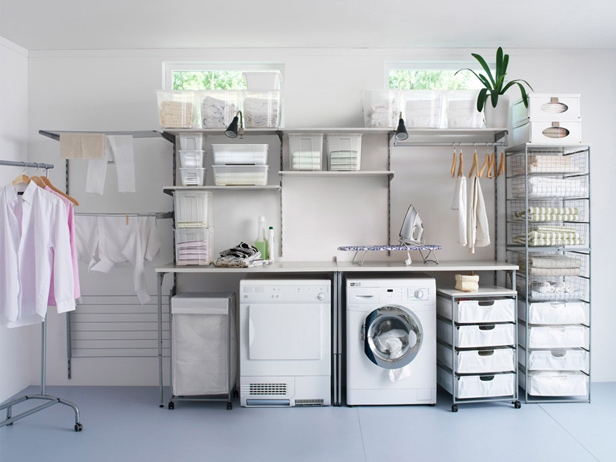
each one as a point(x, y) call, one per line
point(392, 336)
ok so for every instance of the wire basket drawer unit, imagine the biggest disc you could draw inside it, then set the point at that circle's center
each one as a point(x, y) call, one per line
point(477, 336)
point(472, 311)
point(546, 161)
point(480, 361)
point(549, 211)
point(477, 386)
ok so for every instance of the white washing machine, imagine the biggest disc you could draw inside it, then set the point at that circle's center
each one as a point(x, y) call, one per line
point(285, 342)
point(391, 341)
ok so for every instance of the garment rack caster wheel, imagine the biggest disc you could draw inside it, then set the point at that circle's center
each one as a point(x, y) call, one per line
point(171, 405)
point(229, 406)
point(517, 404)
point(78, 427)
point(454, 408)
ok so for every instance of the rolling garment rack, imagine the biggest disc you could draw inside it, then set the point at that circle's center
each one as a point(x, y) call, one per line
point(50, 400)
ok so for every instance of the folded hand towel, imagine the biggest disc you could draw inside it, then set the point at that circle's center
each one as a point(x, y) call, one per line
point(82, 145)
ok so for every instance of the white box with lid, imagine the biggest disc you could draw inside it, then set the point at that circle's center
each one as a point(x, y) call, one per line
point(305, 151)
point(240, 175)
point(193, 208)
point(551, 107)
point(548, 133)
point(344, 151)
point(423, 108)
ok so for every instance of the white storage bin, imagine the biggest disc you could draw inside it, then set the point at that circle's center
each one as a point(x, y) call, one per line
point(555, 383)
point(478, 361)
point(556, 312)
point(477, 336)
point(192, 176)
point(477, 311)
point(548, 133)
point(204, 344)
point(176, 109)
point(344, 152)
point(423, 108)
point(193, 209)
point(191, 158)
point(462, 109)
point(381, 108)
point(194, 246)
point(240, 175)
point(261, 109)
point(305, 151)
point(547, 106)
point(190, 141)
point(575, 359)
point(554, 337)
point(263, 80)
point(240, 154)
point(218, 107)
point(477, 386)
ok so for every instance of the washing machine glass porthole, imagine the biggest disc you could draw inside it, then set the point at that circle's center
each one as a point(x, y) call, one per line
point(392, 336)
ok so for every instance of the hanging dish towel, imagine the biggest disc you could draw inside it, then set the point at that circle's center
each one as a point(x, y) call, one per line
point(459, 204)
point(478, 230)
point(118, 149)
point(82, 145)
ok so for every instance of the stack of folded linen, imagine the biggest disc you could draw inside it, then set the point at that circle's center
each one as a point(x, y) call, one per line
point(176, 114)
point(556, 265)
point(344, 160)
point(195, 252)
point(551, 164)
point(383, 114)
point(217, 113)
point(306, 160)
point(551, 187)
point(261, 112)
point(550, 236)
point(554, 290)
point(549, 214)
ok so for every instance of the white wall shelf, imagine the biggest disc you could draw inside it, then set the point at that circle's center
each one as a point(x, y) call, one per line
point(169, 189)
point(327, 173)
point(451, 136)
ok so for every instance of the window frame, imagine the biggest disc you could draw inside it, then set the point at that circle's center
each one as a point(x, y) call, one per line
point(432, 66)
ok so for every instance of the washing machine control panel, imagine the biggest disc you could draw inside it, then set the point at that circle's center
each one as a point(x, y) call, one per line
point(404, 294)
point(262, 293)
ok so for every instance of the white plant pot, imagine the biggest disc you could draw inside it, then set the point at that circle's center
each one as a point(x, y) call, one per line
point(497, 117)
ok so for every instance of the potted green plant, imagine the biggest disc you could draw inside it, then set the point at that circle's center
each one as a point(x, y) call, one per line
point(497, 112)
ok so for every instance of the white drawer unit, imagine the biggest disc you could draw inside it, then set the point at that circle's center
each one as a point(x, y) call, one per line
point(477, 361)
point(547, 383)
point(554, 337)
point(556, 312)
point(477, 336)
point(477, 386)
point(547, 106)
point(548, 133)
point(477, 311)
point(573, 359)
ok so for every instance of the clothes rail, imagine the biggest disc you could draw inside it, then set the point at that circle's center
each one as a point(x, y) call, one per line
point(452, 143)
point(157, 215)
point(43, 396)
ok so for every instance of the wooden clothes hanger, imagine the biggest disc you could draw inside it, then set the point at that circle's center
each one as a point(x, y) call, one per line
point(486, 164)
point(474, 165)
point(21, 179)
point(501, 168)
point(494, 165)
point(461, 165)
point(453, 164)
point(47, 182)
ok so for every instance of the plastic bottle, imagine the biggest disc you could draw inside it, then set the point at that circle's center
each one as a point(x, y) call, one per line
point(261, 242)
point(271, 244)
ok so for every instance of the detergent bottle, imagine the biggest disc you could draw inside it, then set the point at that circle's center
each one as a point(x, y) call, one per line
point(261, 242)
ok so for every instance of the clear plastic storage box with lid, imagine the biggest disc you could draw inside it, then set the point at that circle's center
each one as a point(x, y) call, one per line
point(218, 107)
point(462, 109)
point(305, 151)
point(240, 175)
point(194, 246)
point(261, 109)
point(240, 154)
point(423, 108)
point(381, 108)
point(191, 158)
point(177, 109)
point(190, 141)
point(263, 80)
point(192, 176)
point(344, 152)
point(193, 209)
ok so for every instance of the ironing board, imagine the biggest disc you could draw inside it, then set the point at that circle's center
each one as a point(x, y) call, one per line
point(430, 256)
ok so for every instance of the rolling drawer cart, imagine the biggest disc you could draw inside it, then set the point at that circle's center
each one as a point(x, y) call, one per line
point(476, 349)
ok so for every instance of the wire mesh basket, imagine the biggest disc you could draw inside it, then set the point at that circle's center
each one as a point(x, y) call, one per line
point(554, 210)
point(548, 234)
point(547, 161)
point(548, 186)
point(547, 265)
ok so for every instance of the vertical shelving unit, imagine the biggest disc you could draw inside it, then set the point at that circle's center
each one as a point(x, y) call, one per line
point(548, 236)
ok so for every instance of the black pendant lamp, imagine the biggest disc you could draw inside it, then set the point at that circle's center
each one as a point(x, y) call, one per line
point(401, 133)
point(233, 129)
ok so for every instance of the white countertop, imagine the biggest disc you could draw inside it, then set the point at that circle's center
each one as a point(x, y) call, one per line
point(482, 292)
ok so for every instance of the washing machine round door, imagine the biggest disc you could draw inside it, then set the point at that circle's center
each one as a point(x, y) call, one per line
point(392, 336)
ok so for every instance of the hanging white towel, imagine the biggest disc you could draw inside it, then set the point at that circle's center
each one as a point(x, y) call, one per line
point(478, 234)
point(459, 204)
point(119, 149)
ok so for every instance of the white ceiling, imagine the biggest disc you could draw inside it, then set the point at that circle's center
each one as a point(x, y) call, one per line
point(143, 24)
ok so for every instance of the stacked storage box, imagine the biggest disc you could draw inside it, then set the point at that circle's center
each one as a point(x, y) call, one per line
point(192, 172)
point(218, 107)
point(305, 151)
point(462, 109)
point(194, 231)
point(476, 345)
point(240, 164)
point(344, 152)
point(381, 108)
point(423, 108)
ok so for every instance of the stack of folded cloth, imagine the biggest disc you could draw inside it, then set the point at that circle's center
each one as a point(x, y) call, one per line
point(554, 290)
point(306, 160)
point(557, 265)
point(344, 160)
point(550, 236)
point(241, 256)
point(467, 283)
point(551, 187)
point(176, 114)
point(382, 115)
point(423, 113)
point(193, 252)
point(546, 164)
point(217, 113)
point(549, 214)
point(261, 112)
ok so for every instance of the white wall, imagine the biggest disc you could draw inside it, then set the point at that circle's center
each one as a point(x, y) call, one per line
point(105, 90)
point(15, 344)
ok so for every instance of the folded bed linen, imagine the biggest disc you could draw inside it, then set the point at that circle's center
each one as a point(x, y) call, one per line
point(551, 187)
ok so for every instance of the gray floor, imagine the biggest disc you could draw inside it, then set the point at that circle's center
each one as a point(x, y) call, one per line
point(126, 424)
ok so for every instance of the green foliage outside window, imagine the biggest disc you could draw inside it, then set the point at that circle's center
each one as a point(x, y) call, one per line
point(404, 79)
point(208, 80)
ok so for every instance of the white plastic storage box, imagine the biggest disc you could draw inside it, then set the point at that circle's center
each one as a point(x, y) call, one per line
point(477, 361)
point(305, 151)
point(554, 337)
point(204, 344)
point(555, 312)
point(263, 80)
point(344, 152)
point(240, 175)
point(477, 311)
point(191, 158)
point(477, 336)
point(218, 107)
point(547, 383)
point(462, 109)
point(240, 154)
point(190, 141)
point(477, 386)
point(381, 108)
point(548, 133)
point(571, 359)
point(194, 246)
point(176, 109)
point(192, 176)
point(547, 106)
point(423, 108)
point(261, 109)
point(193, 209)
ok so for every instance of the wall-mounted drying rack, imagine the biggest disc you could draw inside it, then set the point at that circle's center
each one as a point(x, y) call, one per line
point(50, 400)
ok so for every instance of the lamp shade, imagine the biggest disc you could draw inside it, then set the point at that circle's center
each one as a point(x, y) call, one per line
point(231, 130)
point(401, 133)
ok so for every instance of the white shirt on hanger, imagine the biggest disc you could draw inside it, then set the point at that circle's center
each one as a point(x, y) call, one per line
point(34, 241)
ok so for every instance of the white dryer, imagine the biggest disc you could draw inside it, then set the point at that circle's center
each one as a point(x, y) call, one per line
point(391, 341)
point(285, 342)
